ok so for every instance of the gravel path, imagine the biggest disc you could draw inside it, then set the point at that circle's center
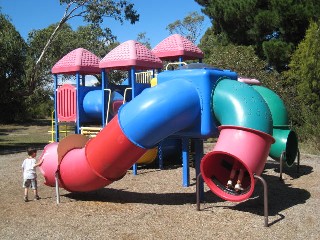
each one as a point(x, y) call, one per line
point(154, 205)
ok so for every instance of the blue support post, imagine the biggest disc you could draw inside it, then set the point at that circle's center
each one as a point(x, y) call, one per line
point(56, 126)
point(78, 120)
point(103, 87)
point(132, 80)
point(185, 163)
point(180, 60)
point(160, 156)
point(198, 157)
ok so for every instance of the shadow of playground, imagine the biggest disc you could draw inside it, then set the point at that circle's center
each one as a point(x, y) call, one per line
point(281, 196)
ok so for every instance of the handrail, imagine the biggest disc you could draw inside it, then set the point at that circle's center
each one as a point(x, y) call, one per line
point(91, 131)
point(109, 90)
point(125, 94)
point(175, 63)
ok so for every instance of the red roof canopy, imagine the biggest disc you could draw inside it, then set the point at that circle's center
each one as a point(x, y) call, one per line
point(175, 46)
point(79, 60)
point(130, 54)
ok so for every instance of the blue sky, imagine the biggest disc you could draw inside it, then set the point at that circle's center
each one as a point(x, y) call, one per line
point(155, 15)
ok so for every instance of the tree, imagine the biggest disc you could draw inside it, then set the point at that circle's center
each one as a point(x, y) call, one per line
point(13, 54)
point(92, 38)
point(256, 22)
point(142, 38)
point(95, 39)
point(241, 59)
point(190, 27)
point(93, 12)
point(303, 78)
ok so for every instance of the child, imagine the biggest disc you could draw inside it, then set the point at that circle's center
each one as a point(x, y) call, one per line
point(29, 173)
point(238, 186)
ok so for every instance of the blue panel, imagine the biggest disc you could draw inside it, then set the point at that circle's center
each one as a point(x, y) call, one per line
point(82, 93)
point(92, 104)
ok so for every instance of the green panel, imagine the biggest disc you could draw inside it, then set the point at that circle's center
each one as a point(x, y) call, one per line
point(286, 140)
point(278, 110)
point(238, 104)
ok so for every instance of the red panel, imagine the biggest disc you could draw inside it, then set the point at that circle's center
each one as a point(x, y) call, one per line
point(67, 103)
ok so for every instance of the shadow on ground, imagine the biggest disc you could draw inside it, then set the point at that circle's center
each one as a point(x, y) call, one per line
point(281, 196)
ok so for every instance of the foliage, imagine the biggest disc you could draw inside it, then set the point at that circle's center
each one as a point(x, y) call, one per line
point(277, 53)
point(303, 78)
point(40, 56)
point(12, 76)
point(190, 27)
point(142, 38)
point(255, 22)
point(93, 12)
point(241, 59)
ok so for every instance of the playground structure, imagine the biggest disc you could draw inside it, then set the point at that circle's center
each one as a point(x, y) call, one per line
point(196, 102)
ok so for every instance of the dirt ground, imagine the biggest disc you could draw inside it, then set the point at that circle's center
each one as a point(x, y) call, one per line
point(154, 205)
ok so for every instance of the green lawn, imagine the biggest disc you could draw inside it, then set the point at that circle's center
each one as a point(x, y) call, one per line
point(17, 137)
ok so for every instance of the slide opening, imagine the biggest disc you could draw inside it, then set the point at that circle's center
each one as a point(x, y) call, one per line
point(291, 148)
point(217, 168)
point(238, 154)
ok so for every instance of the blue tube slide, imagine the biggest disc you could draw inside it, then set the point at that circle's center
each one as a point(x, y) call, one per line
point(160, 112)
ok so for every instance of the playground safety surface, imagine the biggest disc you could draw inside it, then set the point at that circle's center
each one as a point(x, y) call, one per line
point(154, 205)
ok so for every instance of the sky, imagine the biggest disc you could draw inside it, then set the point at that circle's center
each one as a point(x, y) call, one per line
point(155, 16)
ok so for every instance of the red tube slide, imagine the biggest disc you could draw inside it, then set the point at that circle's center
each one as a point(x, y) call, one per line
point(238, 149)
point(103, 160)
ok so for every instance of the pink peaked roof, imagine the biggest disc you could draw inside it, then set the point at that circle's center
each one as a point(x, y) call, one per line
point(79, 60)
point(130, 54)
point(175, 46)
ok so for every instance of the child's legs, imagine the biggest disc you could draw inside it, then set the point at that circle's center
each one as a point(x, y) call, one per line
point(34, 186)
point(26, 184)
point(240, 176)
point(26, 191)
point(234, 169)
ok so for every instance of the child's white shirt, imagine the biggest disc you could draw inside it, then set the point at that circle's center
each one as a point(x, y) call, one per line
point(29, 171)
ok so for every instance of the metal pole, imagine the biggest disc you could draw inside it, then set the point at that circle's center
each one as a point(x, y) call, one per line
point(198, 191)
point(198, 157)
point(57, 187)
point(298, 164)
point(265, 198)
point(282, 156)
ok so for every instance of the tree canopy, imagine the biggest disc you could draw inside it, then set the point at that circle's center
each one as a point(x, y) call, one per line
point(303, 81)
point(274, 27)
point(12, 75)
point(93, 12)
point(190, 27)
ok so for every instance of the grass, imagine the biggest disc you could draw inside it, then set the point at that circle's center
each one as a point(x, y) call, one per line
point(18, 137)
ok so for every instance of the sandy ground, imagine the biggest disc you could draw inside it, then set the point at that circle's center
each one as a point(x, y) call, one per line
point(154, 205)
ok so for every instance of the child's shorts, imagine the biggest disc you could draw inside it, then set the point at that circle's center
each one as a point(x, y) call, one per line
point(32, 183)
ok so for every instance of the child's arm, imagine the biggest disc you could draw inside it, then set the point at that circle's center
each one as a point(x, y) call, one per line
point(39, 163)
